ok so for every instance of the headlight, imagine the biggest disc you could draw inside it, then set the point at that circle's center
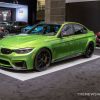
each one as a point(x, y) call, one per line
point(23, 50)
point(15, 26)
point(2, 28)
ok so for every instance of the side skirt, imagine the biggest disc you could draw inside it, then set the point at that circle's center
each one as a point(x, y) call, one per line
point(67, 57)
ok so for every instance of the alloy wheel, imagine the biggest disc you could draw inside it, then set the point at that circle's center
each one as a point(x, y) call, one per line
point(42, 60)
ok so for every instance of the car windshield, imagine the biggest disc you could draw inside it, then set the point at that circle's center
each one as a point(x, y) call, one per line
point(10, 23)
point(45, 29)
point(3, 23)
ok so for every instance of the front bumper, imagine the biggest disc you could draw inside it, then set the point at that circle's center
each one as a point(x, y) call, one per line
point(17, 61)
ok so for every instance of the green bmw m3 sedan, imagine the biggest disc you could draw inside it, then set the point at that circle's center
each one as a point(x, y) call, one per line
point(45, 44)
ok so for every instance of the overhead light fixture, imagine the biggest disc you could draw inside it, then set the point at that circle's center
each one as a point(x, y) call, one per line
point(15, 1)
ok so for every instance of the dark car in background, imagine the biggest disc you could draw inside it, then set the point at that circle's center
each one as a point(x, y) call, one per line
point(3, 31)
point(15, 27)
point(98, 38)
point(7, 28)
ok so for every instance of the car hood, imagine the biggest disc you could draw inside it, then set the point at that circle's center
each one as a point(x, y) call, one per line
point(23, 40)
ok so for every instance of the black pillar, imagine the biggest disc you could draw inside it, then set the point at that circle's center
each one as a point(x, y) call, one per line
point(32, 9)
point(87, 13)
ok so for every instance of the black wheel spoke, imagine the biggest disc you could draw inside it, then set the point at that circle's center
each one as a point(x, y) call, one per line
point(89, 51)
point(43, 60)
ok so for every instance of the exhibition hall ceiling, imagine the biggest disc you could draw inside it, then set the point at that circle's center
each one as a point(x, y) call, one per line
point(9, 5)
point(67, 1)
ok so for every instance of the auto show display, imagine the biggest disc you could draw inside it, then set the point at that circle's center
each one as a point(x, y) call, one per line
point(49, 49)
point(13, 12)
point(45, 44)
point(5, 15)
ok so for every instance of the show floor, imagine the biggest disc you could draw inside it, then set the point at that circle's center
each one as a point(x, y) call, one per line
point(74, 79)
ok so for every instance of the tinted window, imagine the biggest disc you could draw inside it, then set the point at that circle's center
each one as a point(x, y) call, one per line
point(67, 30)
point(78, 29)
point(15, 23)
point(21, 23)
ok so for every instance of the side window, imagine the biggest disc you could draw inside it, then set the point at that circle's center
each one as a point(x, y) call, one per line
point(78, 29)
point(38, 29)
point(47, 29)
point(56, 28)
point(67, 30)
point(53, 29)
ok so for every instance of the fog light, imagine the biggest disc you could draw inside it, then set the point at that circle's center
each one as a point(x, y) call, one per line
point(21, 64)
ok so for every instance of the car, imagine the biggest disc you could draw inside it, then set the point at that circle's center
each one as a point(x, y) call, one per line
point(27, 28)
point(98, 38)
point(14, 27)
point(36, 50)
point(3, 25)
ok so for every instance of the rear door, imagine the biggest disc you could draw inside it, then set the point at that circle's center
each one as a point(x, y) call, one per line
point(80, 37)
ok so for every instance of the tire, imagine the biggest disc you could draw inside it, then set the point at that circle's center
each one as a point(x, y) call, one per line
point(42, 60)
point(3, 34)
point(6, 32)
point(89, 50)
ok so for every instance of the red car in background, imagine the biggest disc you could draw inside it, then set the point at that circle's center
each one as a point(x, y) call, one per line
point(98, 39)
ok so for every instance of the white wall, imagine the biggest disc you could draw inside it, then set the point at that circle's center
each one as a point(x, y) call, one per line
point(68, 1)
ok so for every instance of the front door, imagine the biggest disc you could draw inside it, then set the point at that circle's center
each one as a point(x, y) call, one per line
point(65, 43)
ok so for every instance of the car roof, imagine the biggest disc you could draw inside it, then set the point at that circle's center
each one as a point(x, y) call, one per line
point(55, 23)
point(71, 23)
point(47, 24)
